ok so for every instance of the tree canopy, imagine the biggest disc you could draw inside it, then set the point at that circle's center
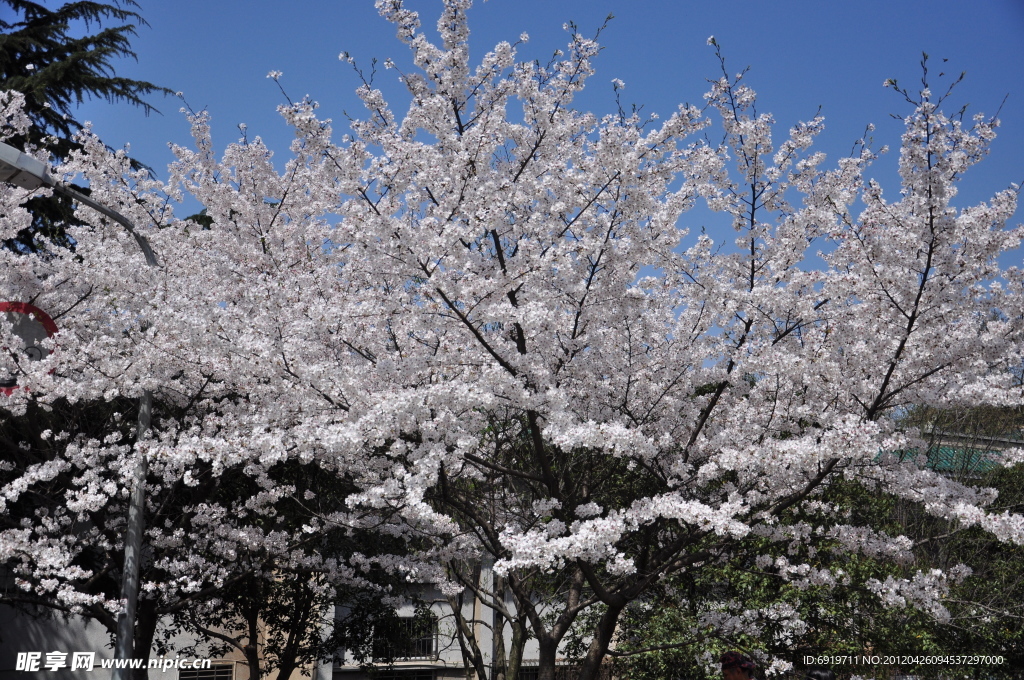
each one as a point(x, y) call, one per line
point(488, 318)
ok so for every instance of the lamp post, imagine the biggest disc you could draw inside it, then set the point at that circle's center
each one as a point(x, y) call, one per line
point(22, 170)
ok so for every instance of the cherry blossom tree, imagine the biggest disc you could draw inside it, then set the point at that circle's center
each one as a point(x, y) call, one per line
point(630, 425)
point(228, 515)
point(489, 318)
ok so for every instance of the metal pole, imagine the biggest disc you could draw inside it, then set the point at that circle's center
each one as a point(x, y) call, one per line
point(125, 640)
point(125, 637)
point(147, 250)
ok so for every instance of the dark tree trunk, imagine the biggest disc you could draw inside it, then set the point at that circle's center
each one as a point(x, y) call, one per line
point(472, 657)
point(515, 654)
point(146, 618)
point(252, 650)
point(546, 657)
point(297, 629)
point(499, 667)
point(603, 632)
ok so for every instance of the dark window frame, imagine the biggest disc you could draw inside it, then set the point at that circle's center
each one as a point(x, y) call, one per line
point(218, 670)
point(408, 638)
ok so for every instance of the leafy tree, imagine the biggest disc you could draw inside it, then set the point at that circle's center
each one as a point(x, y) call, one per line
point(981, 611)
point(773, 606)
point(56, 71)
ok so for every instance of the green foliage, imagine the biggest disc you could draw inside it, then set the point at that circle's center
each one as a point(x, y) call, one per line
point(56, 71)
point(671, 633)
point(980, 422)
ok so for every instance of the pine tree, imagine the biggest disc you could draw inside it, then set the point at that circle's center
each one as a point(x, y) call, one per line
point(56, 71)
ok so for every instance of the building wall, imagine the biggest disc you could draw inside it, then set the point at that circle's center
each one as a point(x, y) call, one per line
point(447, 662)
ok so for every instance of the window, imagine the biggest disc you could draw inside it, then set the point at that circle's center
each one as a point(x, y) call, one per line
point(216, 671)
point(406, 637)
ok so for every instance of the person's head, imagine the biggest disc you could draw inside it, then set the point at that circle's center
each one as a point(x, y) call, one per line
point(736, 666)
point(818, 673)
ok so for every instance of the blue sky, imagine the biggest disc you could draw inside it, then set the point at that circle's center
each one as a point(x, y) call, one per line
point(803, 55)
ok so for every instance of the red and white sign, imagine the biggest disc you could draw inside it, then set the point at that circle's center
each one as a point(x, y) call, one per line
point(32, 325)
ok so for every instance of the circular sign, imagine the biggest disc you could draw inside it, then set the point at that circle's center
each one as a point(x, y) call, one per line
point(32, 325)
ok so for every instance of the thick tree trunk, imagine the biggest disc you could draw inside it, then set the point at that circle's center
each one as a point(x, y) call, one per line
point(252, 650)
point(603, 633)
point(298, 625)
point(515, 653)
point(548, 654)
point(499, 667)
point(146, 618)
